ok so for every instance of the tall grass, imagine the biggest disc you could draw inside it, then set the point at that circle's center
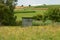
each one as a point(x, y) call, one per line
point(30, 33)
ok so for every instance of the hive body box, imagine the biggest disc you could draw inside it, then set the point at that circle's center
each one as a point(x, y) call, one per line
point(27, 21)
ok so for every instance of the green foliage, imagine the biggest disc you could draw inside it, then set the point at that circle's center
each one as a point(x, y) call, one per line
point(54, 14)
point(38, 17)
point(19, 23)
point(6, 18)
point(7, 12)
point(36, 23)
point(41, 23)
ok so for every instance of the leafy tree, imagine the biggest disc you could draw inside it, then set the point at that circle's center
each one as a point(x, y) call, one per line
point(22, 5)
point(29, 5)
point(7, 12)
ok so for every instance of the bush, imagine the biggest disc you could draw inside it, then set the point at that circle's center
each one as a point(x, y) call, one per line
point(48, 22)
point(18, 23)
point(38, 17)
point(36, 24)
point(54, 14)
point(41, 23)
point(41, 17)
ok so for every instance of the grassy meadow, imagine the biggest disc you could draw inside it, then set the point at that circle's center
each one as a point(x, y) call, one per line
point(30, 33)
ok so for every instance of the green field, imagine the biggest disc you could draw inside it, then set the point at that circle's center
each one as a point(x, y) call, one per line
point(20, 13)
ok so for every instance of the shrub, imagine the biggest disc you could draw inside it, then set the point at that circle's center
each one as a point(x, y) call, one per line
point(54, 14)
point(35, 23)
point(18, 23)
point(40, 23)
point(38, 17)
